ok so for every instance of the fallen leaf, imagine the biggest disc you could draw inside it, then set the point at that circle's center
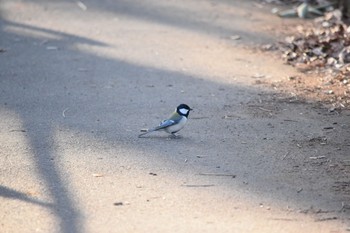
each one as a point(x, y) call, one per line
point(235, 37)
point(51, 48)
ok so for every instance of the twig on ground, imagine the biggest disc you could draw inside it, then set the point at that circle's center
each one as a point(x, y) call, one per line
point(264, 109)
point(217, 174)
point(285, 156)
point(326, 219)
point(64, 112)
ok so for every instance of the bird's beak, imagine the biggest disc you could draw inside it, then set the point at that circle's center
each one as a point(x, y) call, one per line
point(191, 109)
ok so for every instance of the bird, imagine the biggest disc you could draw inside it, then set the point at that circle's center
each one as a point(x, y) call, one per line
point(174, 123)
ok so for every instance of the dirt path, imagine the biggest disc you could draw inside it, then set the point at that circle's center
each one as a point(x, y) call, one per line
point(78, 80)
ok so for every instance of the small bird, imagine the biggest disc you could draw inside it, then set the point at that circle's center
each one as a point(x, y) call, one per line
point(175, 122)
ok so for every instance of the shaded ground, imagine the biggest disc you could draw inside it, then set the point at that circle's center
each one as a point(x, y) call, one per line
point(78, 82)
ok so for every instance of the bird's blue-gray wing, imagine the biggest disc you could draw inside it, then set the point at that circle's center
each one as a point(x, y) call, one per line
point(164, 124)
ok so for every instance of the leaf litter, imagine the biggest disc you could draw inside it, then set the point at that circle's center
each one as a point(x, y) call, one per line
point(322, 49)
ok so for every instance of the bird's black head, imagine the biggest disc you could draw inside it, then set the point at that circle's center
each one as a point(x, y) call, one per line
point(183, 110)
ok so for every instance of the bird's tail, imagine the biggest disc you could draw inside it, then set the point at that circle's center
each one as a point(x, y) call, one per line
point(146, 132)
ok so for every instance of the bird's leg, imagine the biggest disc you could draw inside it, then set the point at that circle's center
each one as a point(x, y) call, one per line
point(174, 136)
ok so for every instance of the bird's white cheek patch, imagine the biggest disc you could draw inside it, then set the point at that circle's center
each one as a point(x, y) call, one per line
point(183, 111)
